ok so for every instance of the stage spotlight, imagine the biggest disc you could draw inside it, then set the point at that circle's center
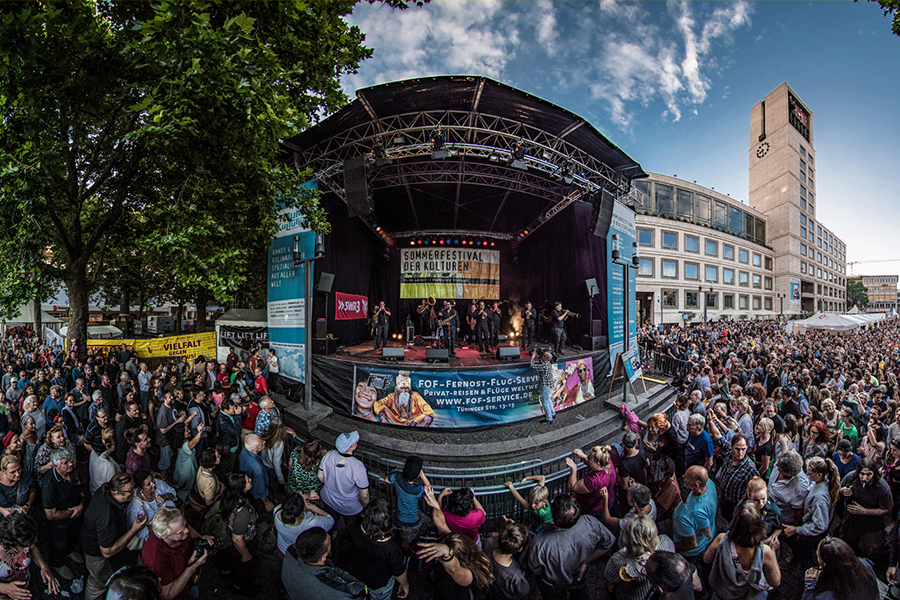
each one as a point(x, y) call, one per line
point(420, 241)
point(492, 243)
point(455, 241)
point(412, 243)
point(399, 140)
point(437, 145)
point(485, 243)
point(448, 241)
point(493, 157)
point(381, 157)
point(517, 160)
point(441, 242)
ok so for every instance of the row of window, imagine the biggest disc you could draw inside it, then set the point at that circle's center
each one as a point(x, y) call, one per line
point(711, 300)
point(669, 241)
point(677, 202)
point(825, 240)
point(820, 258)
point(813, 271)
point(669, 270)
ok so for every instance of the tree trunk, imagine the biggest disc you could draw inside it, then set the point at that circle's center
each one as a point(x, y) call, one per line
point(200, 319)
point(77, 288)
point(179, 314)
point(38, 321)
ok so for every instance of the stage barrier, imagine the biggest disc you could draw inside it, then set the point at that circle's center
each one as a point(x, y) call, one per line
point(417, 396)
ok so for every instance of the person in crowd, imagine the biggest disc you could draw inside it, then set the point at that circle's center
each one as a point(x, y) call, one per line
point(699, 446)
point(307, 571)
point(106, 533)
point(30, 441)
point(150, 494)
point(869, 502)
point(625, 569)
point(840, 575)
point(465, 568)
point(600, 473)
point(251, 464)
point(186, 462)
point(92, 440)
point(345, 488)
point(18, 547)
point(844, 458)
point(208, 487)
point(130, 419)
point(16, 490)
point(169, 553)
point(671, 576)
point(138, 458)
point(764, 451)
point(559, 554)
point(303, 467)
point(758, 494)
point(266, 412)
point(817, 441)
point(633, 460)
point(743, 566)
point(846, 429)
point(640, 502)
point(168, 421)
point(63, 503)
point(694, 519)
point(818, 509)
point(789, 485)
point(230, 432)
point(55, 438)
point(294, 516)
point(510, 582)
point(274, 438)
point(891, 472)
point(457, 511)
point(33, 411)
point(538, 502)
point(373, 556)
point(409, 487)
point(734, 475)
point(102, 467)
point(236, 510)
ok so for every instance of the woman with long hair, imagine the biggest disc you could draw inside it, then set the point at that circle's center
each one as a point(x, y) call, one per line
point(32, 409)
point(103, 466)
point(817, 441)
point(624, 570)
point(840, 574)
point(150, 495)
point(600, 474)
point(18, 546)
point(829, 411)
point(818, 509)
point(764, 450)
point(743, 566)
point(464, 567)
point(274, 436)
point(891, 473)
point(758, 494)
point(237, 512)
point(302, 468)
point(294, 516)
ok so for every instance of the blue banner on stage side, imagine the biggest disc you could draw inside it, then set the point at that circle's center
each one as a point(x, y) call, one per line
point(449, 399)
point(286, 312)
point(622, 226)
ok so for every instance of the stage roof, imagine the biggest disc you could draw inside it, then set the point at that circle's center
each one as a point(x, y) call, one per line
point(478, 189)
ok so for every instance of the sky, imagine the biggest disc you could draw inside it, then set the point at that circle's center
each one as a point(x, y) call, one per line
point(672, 84)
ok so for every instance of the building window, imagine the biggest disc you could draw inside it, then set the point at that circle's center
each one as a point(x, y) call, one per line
point(819, 273)
point(664, 199)
point(701, 209)
point(819, 242)
point(802, 151)
point(802, 176)
point(802, 166)
point(757, 281)
point(734, 223)
point(743, 256)
point(691, 243)
point(743, 278)
point(810, 237)
point(803, 232)
point(644, 188)
point(712, 274)
point(669, 240)
point(670, 299)
point(744, 302)
point(820, 229)
point(757, 303)
point(669, 268)
point(691, 271)
point(802, 192)
point(645, 267)
point(712, 248)
point(803, 249)
point(728, 301)
point(803, 202)
point(810, 182)
point(803, 219)
point(812, 209)
point(712, 300)
point(757, 260)
point(690, 300)
point(721, 216)
point(802, 267)
point(684, 202)
point(768, 304)
point(645, 237)
point(728, 276)
point(768, 283)
point(727, 252)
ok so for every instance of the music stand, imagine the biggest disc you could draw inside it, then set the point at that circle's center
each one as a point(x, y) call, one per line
point(592, 290)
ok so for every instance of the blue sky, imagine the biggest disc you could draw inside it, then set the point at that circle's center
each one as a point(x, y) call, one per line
point(672, 84)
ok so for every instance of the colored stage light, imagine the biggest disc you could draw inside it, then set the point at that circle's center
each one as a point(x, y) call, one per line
point(448, 241)
point(485, 243)
point(492, 243)
point(412, 243)
point(441, 242)
point(420, 241)
point(525, 232)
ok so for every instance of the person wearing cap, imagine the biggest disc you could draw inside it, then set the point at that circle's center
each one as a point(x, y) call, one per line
point(409, 487)
point(346, 481)
point(844, 458)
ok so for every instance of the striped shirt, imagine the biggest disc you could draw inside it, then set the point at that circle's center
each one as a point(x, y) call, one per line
point(545, 371)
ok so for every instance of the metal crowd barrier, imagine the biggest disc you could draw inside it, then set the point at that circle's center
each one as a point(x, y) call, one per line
point(666, 364)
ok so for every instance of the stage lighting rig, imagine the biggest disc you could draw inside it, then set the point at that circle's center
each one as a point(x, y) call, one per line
point(518, 152)
point(381, 157)
point(437, 145)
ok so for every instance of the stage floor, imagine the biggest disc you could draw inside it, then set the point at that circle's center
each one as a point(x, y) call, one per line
point(466, 356)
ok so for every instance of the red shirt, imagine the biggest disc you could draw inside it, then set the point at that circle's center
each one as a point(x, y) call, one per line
point(166, 562)
point(249, 421)
point(261, 385)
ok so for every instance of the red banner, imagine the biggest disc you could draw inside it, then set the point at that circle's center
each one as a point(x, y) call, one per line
point(350, 306)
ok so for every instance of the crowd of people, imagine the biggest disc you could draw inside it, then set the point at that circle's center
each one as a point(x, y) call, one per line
point(780, 452)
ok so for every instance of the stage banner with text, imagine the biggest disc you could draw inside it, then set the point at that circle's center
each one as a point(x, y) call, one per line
point(285, 306)
point(622, 226)
point(447, 273)
point(448, 399)
point(350, 306)
point(188, 347)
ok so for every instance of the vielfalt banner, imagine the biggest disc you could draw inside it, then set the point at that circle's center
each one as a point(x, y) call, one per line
point(350, 306)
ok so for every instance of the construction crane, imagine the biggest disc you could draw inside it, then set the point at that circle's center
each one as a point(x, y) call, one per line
point(863, 262)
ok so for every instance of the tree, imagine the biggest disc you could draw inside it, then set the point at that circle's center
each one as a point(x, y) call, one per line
point(856, 294)
point(170, 110)
point(891, 7)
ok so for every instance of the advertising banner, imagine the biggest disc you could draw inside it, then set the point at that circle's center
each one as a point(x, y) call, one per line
point(632, 362)
point(464, 398)
point(285, 305)
point(443, 272)
point(230, 336)
point(187, 346)
point(795, 292)
point(350, 306)
point(622, 226)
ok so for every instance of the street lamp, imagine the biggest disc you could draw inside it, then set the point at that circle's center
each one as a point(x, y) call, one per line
point(781, 298)
point(705, 300)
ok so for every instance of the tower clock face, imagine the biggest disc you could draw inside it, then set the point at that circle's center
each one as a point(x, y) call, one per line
point(762, 150)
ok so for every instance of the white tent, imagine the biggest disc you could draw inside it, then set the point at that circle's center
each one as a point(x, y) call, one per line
point(236, 322)
point(106, 332)
point(853, 311)
point(824, 321)
point(26, 317)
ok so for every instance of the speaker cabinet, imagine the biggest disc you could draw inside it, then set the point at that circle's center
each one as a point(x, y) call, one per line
point(356, 187)
point(324, 346)
point(593, 342)
point(436, 355)
point(326, 280)
point(508, 353)
point(321, 331)
point(607, 201)
point(596, 327)
point(392, 354)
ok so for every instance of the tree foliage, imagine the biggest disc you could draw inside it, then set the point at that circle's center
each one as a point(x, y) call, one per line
point(891, 7)
point(856, 294)
point(139, 135)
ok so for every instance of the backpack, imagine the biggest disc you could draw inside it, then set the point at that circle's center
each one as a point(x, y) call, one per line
point(216, 526)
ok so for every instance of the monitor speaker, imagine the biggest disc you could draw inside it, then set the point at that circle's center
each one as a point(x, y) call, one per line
point(435, 355)
point(356, 187)
point(508, 353)
point(593, 342)
point(326, 280)
point(607, 201)
point(596, 327)
point(321, 329)
point(324, 346)
point(393, 354)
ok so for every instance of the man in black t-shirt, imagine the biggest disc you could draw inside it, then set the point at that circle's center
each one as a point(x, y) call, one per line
point(558, 317)
point(63, 504)
point(381, 315)
point(482, 332)
point(450, 316)
point(529, 318)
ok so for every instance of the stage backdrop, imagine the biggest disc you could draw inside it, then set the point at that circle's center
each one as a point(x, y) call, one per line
point(622, 225)
point(445, 272)
point(447, 398)
point(286, 284)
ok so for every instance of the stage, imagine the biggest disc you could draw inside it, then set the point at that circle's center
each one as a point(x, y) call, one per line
point(467, 356)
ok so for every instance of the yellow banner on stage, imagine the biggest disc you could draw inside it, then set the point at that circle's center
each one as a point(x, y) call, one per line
point(188, 346)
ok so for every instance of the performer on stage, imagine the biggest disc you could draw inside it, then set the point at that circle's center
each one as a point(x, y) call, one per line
point(496, 316)
point(380, 316)
point(425, 311)
point(529, 317)
point(449, 325)
point(558, 317)
point(471, 319)
point(481, 329)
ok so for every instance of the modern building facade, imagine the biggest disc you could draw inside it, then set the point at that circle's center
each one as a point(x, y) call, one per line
point(882, 291)
point(782, 187)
